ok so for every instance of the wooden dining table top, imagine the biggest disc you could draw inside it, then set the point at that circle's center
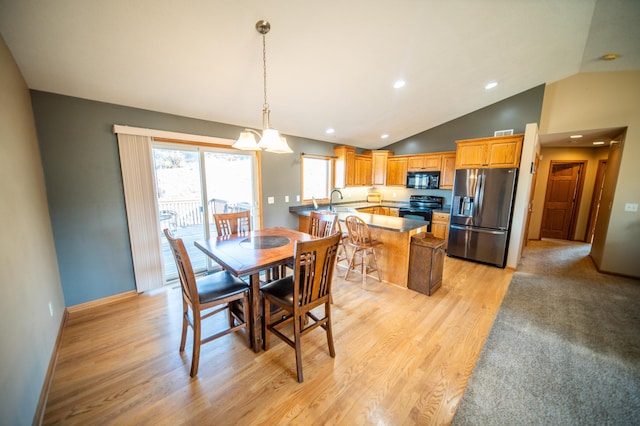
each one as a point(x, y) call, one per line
point(251, 252)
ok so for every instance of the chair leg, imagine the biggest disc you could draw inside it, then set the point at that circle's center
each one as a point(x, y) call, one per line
point(328, 329)
point(195, 358)
point(375, 262)
point(298, 348)
point(245, 314)
point(364, 269)
point(351, 262)
point(185, 325)
point(266, 321)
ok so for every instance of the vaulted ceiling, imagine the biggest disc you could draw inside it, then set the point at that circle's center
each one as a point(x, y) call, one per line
point(330, 64)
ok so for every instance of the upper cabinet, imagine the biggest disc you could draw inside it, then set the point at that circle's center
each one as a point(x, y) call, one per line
point(396, 171)
point(363, 170)
point(448, 170)
point(351, 169)
point(424, 163)
point(379, 161)
point(497, 152)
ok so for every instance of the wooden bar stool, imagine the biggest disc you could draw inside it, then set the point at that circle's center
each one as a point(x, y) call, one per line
point(362, 243)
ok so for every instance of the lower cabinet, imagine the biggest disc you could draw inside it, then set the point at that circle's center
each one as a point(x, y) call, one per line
point(440, 226)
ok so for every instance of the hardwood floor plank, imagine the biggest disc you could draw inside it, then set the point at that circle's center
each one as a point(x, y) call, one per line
point(401, 358)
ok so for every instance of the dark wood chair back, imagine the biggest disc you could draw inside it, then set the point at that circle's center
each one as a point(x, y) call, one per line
point(322, 224)
point(206, 297)
point(233, 223)
point(297, 295)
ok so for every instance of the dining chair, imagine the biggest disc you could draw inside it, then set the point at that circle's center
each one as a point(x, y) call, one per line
point(322, 223)
point(240, 222)
point(361, 242)
point(297, 295)
point(233, 223)
point(205, 297)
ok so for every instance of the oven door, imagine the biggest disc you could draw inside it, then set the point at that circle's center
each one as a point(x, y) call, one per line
point(413, 214)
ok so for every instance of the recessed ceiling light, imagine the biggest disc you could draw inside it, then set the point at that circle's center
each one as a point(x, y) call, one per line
point(598, 143)
point(490, 85)
point(384, 135)
point(330, 131)
point(575, 136)
point(398, 84)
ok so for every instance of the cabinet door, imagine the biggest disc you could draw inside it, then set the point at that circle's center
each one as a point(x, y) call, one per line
point(448, 170)
point(363, 170)
point(505, 153)
point(344, 166)
point(415, 163)
point(379, 160)
point(471, 154)
point(432, 162)
point(394, 212)
point(424, 163)
point(397, 171)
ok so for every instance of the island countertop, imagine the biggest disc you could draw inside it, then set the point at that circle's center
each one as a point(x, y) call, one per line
point(394, 232)
point(389, 223)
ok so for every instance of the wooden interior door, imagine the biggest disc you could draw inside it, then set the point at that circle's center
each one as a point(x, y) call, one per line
point(561, 199)
point(595, 201)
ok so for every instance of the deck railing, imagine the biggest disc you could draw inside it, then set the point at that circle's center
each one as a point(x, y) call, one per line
point(184, 213)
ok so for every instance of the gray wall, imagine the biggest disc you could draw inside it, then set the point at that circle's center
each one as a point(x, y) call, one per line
point(512, 113)
point(84, 186)
point(29, 278)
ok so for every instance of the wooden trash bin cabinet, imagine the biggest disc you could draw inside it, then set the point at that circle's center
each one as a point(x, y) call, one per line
point(426, 261)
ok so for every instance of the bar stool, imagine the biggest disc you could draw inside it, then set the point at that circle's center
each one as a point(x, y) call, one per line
point(361, 241)
point(343, 254)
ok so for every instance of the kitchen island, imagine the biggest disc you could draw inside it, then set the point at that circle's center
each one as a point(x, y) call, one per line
point(394, 232)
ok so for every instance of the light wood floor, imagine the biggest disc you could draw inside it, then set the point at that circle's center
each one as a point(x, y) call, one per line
point(401, 358)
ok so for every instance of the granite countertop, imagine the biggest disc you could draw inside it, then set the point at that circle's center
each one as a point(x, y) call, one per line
point(389, 223)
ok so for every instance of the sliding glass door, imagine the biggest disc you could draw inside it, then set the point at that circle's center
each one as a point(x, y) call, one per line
point(192, 184)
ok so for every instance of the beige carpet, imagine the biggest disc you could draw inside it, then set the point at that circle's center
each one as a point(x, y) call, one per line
point(564, 348)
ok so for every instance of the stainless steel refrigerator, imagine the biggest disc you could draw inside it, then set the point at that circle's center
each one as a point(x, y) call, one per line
point(481, 214)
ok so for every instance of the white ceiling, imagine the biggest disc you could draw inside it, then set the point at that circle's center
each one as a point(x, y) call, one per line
point(329, 64)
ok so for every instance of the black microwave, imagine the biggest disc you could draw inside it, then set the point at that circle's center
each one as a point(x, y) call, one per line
point(423, 180)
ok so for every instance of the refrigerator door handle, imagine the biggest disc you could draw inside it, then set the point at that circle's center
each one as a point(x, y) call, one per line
point(478, 198)
point(480, 230)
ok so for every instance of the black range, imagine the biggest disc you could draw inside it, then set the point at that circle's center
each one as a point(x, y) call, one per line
point(421, 207)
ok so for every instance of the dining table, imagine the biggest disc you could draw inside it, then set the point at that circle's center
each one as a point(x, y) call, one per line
point(249, 254)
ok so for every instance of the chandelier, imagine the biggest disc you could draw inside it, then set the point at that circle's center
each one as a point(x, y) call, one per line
point(270, 139)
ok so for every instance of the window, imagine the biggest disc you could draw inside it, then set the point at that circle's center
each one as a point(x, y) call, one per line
point(316, 177)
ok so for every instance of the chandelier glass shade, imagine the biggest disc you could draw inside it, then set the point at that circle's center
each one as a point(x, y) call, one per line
point(270, 140)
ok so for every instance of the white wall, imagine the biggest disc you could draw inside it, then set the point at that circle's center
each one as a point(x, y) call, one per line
point(29, 278)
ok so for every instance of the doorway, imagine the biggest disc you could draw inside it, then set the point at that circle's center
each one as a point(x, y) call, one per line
point(595, 201)
point(564, 190)
point(193, 183)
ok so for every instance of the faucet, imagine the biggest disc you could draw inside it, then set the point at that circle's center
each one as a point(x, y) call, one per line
point(331, 198)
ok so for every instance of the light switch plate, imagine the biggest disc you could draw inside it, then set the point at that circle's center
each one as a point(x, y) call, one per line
point(286, 198)
point(297, 198)
point(270, 200)
point(631, 207)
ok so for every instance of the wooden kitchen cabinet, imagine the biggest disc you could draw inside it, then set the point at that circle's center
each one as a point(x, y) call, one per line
point(396, 171)
point(363, 170)
point(448, 170)
point(351, 169)
point(497, 152)
point(379, 162)
point(424, 163)
point(440, 226)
